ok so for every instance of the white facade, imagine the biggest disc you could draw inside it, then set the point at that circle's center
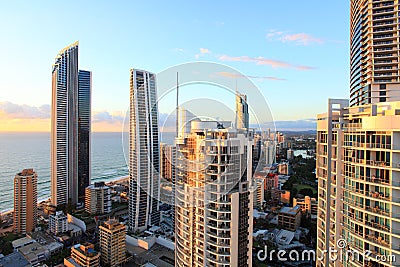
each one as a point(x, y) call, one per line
point(144, 159)
point(98, 198)
point(214, 198)
point(270, 152)
point(58, 223)
point(358, 156)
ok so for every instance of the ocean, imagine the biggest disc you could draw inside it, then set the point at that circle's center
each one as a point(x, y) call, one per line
point(32, 150)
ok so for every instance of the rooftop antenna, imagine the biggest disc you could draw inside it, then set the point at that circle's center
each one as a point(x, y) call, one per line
point(177, 104)
point(236, 110)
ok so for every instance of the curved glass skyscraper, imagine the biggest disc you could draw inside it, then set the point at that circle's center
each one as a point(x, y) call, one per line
point(70, 128)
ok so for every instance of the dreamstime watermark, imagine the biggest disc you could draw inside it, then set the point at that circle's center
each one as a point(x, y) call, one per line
point(340, 252)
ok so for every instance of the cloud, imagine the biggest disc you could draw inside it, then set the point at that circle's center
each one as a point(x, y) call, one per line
point(297, 38)
point(205, 51)
point(105, 116)
point(237, 75)
point(180, 50)
point(265, 61)
point(15, 111)
point(301, 39)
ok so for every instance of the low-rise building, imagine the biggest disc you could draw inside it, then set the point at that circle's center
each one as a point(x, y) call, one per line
point(98, 198)
point(15, 259)
point(58, 223)
point(83, 255)
point(307, 205)
point(35, 253)
point(289, 218)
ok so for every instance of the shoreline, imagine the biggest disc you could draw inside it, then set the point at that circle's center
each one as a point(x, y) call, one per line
point(44, 199)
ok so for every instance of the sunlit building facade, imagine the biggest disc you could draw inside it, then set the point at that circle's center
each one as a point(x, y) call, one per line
point(374, 69)
point(214, 197)
point(70, 128)
point(25, 201)
point(358, 156)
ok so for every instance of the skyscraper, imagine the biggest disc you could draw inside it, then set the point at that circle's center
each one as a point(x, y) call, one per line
point(70, 128)
point(358, 159)
point(374, 69)
point(25, 201)
point(214, 200)
point(84, 118)
point(144, 159)
point(242, 111)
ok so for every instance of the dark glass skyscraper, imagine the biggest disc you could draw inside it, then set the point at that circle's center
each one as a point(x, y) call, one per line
point(70, 128)
point(84, 116)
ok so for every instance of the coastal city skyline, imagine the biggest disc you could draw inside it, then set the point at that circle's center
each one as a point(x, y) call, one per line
point(281, 56)
point(231, 135)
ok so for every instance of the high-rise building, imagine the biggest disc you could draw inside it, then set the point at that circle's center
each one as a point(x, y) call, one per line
point(84, 118)
point(25, 201)
point(70, 128)
point(83, 255)
point(112, 243)
point(214, 197)
point(144, 159)
point(357, 146)
point(374, 69)
point(242, 111)
point(98, 198)
point(270, 152)
point(58, 223)
point(359, 180)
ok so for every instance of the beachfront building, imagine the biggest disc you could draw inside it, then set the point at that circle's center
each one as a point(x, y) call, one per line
point(98, 198)
point(144, 159)
point(25, 201)
point(70, 128)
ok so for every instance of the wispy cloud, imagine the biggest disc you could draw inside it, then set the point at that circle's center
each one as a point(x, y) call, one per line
point(237, 75)
point(15, 111)
point(296, 38)
point(177, 49)
point(265, 61)
point(203, 51)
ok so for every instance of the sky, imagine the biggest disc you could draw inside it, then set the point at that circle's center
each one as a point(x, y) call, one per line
point(295, 52)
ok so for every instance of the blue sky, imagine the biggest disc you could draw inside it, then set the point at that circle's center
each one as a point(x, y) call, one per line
point(296, 51)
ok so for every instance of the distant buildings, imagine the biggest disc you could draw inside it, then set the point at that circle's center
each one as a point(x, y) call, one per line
point(259, 192)
point(242, 112)
point(270, 152)
point(289, 218)
point(290, 154)
point(214, 201)
point(70, 128)
point(98, 198)
point(58, 223)
point(83, 255)
point(112, 243)
point(25, 201)
point(144, 158)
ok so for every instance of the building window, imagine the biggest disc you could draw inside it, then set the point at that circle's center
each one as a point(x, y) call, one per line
point(382, 86)
point(382, 99)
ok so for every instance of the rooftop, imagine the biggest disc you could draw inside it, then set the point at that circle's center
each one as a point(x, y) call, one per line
point(22, 242)
point(15, 259)
point(290, 210)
